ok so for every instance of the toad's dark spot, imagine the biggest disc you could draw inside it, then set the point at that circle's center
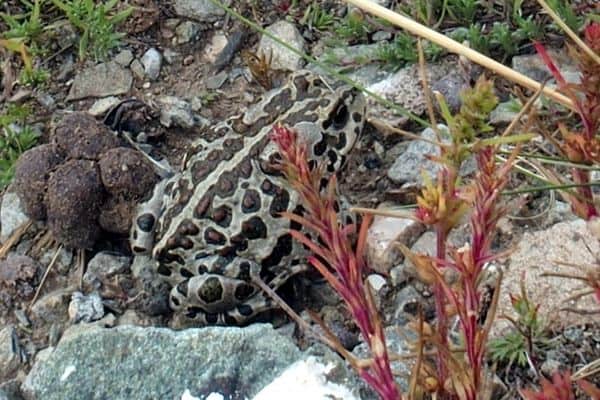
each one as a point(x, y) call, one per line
point(222, 216)
point(229, 320)
point(282, 248)
point(239, 242)
point(187, 227)
point(320, 147)
point(211, 290)
point(202, 206)
point(185, 273)
point(251, 201)
point(213, 236)
point(163, 270)
point(280, 203)
point(245, 168)
point(243, 291)
point(356, 117)
point(342, 141)
point(245, 310)
point(146, 222)
point(254, 228)
point(211, 318)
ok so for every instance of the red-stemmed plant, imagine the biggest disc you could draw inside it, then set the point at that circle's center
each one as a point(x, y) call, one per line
point(334, 257)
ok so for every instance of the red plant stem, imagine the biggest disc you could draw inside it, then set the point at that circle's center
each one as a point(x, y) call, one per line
point(582, 177)
point(440, 305)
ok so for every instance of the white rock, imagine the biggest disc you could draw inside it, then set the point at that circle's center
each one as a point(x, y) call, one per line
point(282, 58)
point(101, 106)
point(152, 61)
point(384, 233)
point(305, 379)
point(12, 215)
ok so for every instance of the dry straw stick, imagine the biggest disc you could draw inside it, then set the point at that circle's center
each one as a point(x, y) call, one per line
point(453, 46)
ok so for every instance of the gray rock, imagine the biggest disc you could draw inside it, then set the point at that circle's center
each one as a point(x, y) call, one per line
point(175, 111)
point(63, 261)
point(102, 80)
point(137, 68)
point(158, 363)
point(53, 306)
point(410, 164)
point(217, 81)
point(283, 58)
point(101, 106)
point(170, 55)
point(12, 215)
point(396, 342)
point(200, 10)
point(407, 302)
point(10, 352)
point(532, 66)
point(124, 58)
point(85, 308)
point(11, 390)
point(152, 61)
point(404, 88)
point(187, 32)
point(104, 267)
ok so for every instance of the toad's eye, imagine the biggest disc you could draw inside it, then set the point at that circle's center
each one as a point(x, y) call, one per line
point(340, 117)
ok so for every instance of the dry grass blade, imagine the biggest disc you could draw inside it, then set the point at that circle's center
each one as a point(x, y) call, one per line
point(14, 238)
point(589, 369)
point(41, 285)
point(455, 47)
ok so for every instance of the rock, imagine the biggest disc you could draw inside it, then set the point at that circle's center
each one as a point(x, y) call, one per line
point(12, 215)
point(404, 88)
point(282, 58)
point(63, 260)
point(383, 235)
point(217, 81)
point(152, 61)
point(19, 275)
point(102, 80)
point(308, 377)
point(104, 267)
point(101, 106)
point(200, 10)
point(53, 306)
point(396, 341)
point(221, 50)
point(175, 111)
point(85, 308)
point(450, 86)
point(11, 390)
point(406, 305)
point(232, 361)
point(137, 68)
point(410, 165)
point(10, 352)
point(31, 175)
point(170, 56)
point(187, 32)
point(539, 252)
point(532, 66)
point(124, 58)
point(504, 112)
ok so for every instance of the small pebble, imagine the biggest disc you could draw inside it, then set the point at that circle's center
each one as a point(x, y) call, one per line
point(152, 61)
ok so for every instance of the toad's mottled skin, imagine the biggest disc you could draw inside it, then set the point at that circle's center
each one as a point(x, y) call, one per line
point(216, 224)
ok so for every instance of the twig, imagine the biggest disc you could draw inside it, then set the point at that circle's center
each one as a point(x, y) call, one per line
point(39, 288)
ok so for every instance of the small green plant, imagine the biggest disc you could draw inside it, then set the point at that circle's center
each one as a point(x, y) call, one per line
point(27, 27)
point(528, 337)
point(96, 23)
point(315, 17)
point(401, 51)
point(16, 137)
point(353, 27)
point(463, 11)
point(566, 12)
